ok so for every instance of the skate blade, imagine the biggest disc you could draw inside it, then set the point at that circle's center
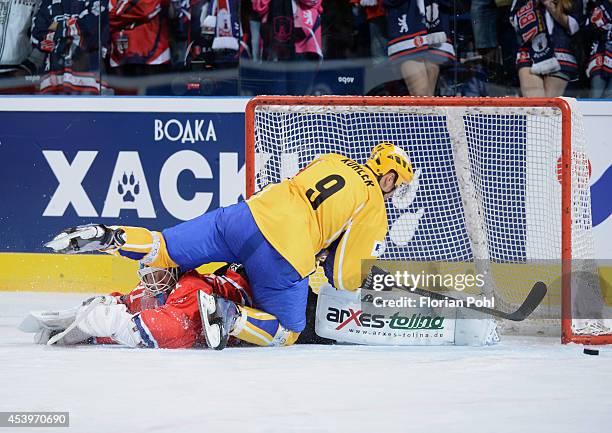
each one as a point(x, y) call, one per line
point(214, 336)
point(212, 332)
point(59, 242)
point(62, 241)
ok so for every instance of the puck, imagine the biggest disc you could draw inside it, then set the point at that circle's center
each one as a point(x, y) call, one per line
point(590, 351)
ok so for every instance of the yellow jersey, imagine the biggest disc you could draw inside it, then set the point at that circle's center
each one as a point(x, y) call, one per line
point(333, 197)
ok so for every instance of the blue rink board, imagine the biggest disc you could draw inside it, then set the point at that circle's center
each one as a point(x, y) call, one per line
point(28, 182)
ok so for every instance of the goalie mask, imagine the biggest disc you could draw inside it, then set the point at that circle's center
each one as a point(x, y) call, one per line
point(386, 157)
point(158, 280)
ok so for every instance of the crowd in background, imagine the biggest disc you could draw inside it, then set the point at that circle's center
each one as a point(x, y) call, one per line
point(537, 47)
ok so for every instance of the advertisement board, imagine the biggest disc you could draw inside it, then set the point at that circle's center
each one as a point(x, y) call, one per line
point(155, 162)
point(112, 161)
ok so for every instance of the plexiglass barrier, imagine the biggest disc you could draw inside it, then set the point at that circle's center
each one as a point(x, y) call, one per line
point(306, 47)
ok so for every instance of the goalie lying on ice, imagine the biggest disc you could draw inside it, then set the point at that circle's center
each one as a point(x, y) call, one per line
point(161, 311)
point(277, 235)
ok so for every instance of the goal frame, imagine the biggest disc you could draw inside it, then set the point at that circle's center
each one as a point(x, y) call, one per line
point(567, 336)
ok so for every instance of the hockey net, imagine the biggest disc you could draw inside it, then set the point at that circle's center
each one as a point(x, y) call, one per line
point(500, 182)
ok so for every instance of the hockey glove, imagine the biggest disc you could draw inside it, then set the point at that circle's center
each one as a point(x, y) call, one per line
point(90, 237)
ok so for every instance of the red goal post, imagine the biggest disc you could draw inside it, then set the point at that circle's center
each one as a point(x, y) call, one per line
point(274, 121)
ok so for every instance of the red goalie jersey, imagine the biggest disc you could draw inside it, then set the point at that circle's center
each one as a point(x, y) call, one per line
point(172, 320)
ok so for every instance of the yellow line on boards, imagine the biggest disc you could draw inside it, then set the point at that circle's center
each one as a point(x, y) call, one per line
point(97, 273)
point(103, 273)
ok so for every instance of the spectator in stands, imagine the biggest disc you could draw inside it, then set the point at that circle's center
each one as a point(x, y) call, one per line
point(216, 35)
point(17, 57)
point(420, 41)
point(377, 27)
point(545, 59)
point(140, 32)
point(492, 31)
point(290, 34)
point(339, 30)
point(599, 68)
point(484, 18)
point(68, 32)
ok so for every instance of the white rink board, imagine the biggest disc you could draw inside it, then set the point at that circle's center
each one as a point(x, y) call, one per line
point(598, 128)
point(522, 385)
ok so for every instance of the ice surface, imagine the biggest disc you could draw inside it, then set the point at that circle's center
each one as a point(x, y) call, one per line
point(524, 385)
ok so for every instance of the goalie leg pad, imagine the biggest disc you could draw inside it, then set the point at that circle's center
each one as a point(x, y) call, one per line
point(43, 335)
point(344, 317)
point(73, 336)
point(475, 329)
point(54, 320)
point(110, 321)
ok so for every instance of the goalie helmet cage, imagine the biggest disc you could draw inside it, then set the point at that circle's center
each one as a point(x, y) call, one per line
point(502, 181)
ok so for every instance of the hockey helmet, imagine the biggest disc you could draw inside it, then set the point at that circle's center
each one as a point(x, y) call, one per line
point(386, 157)
point(158, 280)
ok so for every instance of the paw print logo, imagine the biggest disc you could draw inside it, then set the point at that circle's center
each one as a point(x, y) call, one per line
point(404, 228)
point(128, 187)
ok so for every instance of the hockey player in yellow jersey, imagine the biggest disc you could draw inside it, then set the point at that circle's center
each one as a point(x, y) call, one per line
point(334, 205)
point(333, 198)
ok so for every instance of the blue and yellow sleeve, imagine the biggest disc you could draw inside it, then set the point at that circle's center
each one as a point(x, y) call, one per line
point(148, 247)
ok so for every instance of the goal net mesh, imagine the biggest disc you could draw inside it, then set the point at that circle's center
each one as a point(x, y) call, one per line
point(487, 187)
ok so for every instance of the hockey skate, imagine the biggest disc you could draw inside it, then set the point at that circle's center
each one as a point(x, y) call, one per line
point(218, 318)
point(90, 237)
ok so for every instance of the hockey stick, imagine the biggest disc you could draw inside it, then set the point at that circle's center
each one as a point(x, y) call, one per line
point(531, 302)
